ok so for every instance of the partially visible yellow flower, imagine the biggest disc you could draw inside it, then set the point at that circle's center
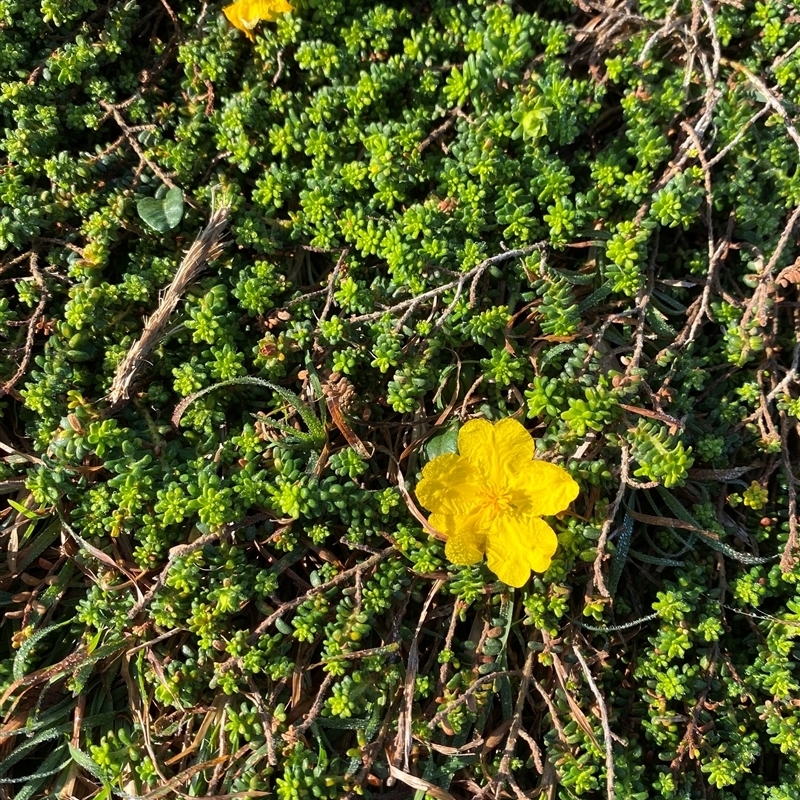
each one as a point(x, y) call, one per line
point(246, 14)
point(489, 500)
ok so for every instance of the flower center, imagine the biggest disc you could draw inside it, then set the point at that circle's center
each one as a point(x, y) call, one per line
point(499, 500)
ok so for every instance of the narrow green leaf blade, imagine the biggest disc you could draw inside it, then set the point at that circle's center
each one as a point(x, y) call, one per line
point(26, 649)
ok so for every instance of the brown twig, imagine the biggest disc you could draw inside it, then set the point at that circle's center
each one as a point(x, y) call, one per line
point(266, 720)
point(279, 70)
point(599, 580)
point(44, 296)
point(206, 247)
point(172, 15)
point(331, 288)
point(448, 642)
point(716, 253)
point(468, 396)
point(295, 731)
point(769, 96)
point(437, 718)
point(741, 133)
point(289, 605)
point(473, 274)
point(341, 578)
point(789, 557)
point(766, 282)
point(402, 742)
point(503, 773)
point(642, 301)
point(790, 377)
point(174, 554)
point(607, 739)
point(436, 135)
point(128, 132)
point(670, 23)
point(551, 707)
point(536, 751)
point(688, 740)
point(12, 262)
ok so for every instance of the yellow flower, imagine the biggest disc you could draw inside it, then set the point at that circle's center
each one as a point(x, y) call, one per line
point(489, 500)
point(246, 14)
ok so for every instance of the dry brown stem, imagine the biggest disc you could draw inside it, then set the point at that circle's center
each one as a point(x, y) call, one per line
point(174, 554)
point(770, 97)
point(599, 580)
point(468, 693)
point(129, 132)
point(289, 605)
point(607, 739)
point(473, 275)
point(503, 773)
point(789, 556)
point(295, 731)
point(402, 742)
point(688, 741)
point(33, 321)
point(206, 247)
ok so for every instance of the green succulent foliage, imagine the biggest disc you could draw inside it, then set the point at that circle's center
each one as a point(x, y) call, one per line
point(435, 212)
point(662, 455)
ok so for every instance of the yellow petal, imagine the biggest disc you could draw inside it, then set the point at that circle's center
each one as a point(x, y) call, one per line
point(238, 15)
point(466, 540)
point(270, 10)
point(516, 545)
point(445, 524)
point(496, 450)
point(541, 488)
point(476, 445)
point(246, 14)
point(473, 523)
point(546, 545)
point(513, 440)
point(464, 550)
point(449, 485)
point(465, 534)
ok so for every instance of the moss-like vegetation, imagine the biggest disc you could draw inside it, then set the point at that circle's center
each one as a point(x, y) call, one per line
point(216, 580)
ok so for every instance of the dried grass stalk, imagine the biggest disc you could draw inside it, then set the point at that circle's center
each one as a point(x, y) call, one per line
point(206, 247)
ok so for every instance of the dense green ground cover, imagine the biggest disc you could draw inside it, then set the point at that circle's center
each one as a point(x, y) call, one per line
point(581, 215)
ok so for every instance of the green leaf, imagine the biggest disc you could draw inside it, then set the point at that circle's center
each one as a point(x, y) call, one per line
point(52, 765)
point(86, 762)
point(82, 671)
point(661, 562)
point(26, 512)
point(532, 120)
point(620, 557)
point(162, 213)
point(446, 442)
point(26, 649)
point(22, 750)
point(736, 555)
point(316, 430)
point(152, 212)
point(39, 540)
point(714, 543)
point(173, 207)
